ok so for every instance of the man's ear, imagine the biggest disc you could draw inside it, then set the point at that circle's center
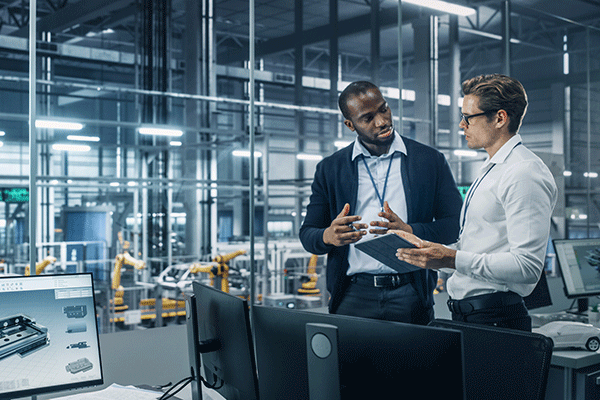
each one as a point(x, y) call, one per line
point(502, 119)
point(349, 124)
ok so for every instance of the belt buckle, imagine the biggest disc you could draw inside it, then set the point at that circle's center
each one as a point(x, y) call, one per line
point(375, 284)
point(376, 281)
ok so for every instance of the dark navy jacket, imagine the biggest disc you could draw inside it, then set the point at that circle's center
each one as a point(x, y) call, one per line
point(432, 200)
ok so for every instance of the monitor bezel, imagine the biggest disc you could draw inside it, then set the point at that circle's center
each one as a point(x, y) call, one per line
point(199, 365)
point(66, 386)
point(568, 294)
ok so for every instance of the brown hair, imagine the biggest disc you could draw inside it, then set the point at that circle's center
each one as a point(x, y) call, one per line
point(499, 92)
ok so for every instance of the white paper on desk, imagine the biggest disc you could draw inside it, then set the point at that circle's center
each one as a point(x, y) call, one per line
point(116, 391)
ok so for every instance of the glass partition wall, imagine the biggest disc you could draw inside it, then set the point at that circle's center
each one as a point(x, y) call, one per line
point(143, 131)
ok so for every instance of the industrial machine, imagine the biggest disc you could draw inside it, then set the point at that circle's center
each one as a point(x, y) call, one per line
point(41, 266)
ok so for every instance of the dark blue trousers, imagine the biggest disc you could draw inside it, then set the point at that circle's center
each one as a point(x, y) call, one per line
point(401, 303)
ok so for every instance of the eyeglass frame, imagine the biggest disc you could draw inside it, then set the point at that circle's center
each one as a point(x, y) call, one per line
point(466, 117)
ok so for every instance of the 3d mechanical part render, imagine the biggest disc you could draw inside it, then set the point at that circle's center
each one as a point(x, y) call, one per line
point(81, 365)
point(75, 311)
point(20, 334)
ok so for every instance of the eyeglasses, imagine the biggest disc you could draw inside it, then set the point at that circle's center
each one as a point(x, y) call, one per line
point(467, 117)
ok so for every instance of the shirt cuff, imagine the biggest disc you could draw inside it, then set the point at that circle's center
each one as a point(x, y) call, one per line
point(463, 262)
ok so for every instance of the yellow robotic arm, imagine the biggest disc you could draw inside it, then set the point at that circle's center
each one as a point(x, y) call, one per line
point(221, 270)
point(124, 258)
point(310, 287)
point(41, 266)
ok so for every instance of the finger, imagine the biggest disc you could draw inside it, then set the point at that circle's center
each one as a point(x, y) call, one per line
point(383, 224)
point(386, 207)
point(352, 237)
point(357, 226)
point(378, 231)
point(344, 211)
point(348, 221)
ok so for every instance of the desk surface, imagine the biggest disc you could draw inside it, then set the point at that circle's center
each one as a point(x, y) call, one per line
point(575, 358)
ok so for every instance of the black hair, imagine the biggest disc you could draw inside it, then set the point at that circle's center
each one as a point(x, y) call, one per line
point(353, 89)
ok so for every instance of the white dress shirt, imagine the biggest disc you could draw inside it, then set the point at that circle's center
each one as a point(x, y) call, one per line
point(505, 225)
point(367, 202)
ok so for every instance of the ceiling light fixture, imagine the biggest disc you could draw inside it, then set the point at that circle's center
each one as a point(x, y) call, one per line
point(341, 143)
point(443, 6)
point(309, 157)
point(147, 130)
point(71, 147)
point(81, 138)
point(70, 126)
point(465, 153)
point(245, 153)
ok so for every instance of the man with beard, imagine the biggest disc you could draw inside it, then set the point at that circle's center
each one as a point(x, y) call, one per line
point(381, 181)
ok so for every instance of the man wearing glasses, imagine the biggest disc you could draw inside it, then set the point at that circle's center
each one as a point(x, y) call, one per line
point(505, 219)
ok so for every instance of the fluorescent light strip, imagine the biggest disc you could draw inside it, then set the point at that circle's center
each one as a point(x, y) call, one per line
point(70, 126)
point(567, 173)
point(175, 143)
point(341, 143)
point(245, 153)
point(71, 147)
point(443, 6)
point(309, 157)
point(590, 174)
point(465, 153)
point(81, 138)
point(160, 131)
point(2, 133)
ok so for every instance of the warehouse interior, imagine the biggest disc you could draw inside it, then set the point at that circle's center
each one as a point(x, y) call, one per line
point(135, 163)
point(113, 68)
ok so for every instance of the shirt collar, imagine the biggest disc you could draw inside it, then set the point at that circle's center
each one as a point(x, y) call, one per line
point(503, 152)
point(397, 145)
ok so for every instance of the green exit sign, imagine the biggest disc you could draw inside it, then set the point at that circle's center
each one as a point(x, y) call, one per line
point(14, 195)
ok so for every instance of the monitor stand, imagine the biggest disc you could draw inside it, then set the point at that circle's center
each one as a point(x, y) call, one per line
point(322, 362)
point(582, 306)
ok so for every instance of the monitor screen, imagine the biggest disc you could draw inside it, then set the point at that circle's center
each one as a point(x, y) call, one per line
point(579, 263)
point(49, 334)
point(375, 357)
point(225, 343)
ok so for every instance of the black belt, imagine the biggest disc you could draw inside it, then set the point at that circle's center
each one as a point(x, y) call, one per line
point(492, 300)
point(391, 280)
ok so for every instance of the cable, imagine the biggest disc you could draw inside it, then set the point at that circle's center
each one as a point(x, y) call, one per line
point(212, 385)
point(170, 393)
point(174, 389)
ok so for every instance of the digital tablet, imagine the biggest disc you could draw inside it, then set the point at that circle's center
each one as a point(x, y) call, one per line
point(383, 249)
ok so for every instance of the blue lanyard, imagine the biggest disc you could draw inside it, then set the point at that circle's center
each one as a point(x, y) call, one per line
point(382, 196)
point(469, 196)
point(470, 193)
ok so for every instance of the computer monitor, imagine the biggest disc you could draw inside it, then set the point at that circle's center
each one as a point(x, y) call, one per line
point(223, 351)
point(579, 264)
point(48, 334)
point(503, 363)
point(376, 358)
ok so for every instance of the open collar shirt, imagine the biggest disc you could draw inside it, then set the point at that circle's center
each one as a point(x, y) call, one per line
point(367, 202)
point(505, 225)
